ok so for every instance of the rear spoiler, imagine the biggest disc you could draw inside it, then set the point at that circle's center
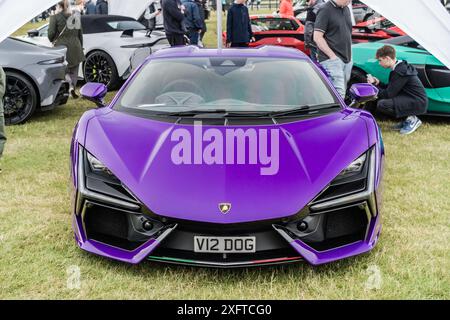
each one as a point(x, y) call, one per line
point(127, 33)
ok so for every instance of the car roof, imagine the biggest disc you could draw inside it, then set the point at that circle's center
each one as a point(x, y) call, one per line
point(98, 23)
point(260, 52)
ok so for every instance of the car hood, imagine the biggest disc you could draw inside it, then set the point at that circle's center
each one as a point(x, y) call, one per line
point(312, 153)
point(24, 44)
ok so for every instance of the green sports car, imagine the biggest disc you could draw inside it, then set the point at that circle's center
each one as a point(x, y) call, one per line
point(433, 74)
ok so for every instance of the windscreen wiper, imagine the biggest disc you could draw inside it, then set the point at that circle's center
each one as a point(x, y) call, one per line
point(303, 109)
point(190, 113)
point(260, 114)
point(219, 112)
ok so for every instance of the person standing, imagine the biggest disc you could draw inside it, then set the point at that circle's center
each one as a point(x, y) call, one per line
point(79, 7)
point(150, 14)
point(224, 6)
point(52, 10)
point(311, 14)
point(333, 36)
point(258, 5)
point(2, 116)
point(404, 96)
point(101, 7)
point(173, 15)
point(65, 30)
point(286, 8)
point(239, 29)
point(202, 6)
point(192, 21)
point(90, 7)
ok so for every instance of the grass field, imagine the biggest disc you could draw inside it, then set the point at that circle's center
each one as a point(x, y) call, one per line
point(38, 254)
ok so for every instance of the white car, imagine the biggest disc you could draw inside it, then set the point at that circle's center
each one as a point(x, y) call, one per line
point(112, 46)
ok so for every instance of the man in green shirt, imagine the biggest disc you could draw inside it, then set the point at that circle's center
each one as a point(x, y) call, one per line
point(2, 117)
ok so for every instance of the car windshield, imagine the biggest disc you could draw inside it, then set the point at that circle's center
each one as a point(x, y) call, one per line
point(230, 84)
point(268, 24)
point(126, 25)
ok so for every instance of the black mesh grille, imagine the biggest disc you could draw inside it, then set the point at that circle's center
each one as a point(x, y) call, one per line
point(342, 227)
point(102, 220)
point(108, 226)
point(349, 222)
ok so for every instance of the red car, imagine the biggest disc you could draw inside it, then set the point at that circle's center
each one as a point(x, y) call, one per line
point(375, 30)
point(278, 30)
point(286, 31)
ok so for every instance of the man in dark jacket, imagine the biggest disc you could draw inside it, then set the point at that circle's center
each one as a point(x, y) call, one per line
point(192, 21)
point(203, 16)
point(313, 8)
point(101, 7)
point(239, 29)
point(404, 95)
point(173, 15)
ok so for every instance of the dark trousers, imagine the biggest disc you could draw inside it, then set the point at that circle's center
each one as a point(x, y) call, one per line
point(72, 76)
point(193, 36)
point(386, 106)
point(203, 33)
point(175, 39)
point(313, 54)
point(239, 45)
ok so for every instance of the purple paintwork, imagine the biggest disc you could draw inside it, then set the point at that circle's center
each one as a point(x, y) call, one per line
point(312, 153)
point(107, 251)
point(94, 91)
point(317, 258)
point(363, 92)
point(138, 151)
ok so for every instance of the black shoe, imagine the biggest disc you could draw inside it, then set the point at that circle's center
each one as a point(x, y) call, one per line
point(74, 94)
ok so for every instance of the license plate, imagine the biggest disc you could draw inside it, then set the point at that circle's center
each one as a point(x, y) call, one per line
point(224, 244)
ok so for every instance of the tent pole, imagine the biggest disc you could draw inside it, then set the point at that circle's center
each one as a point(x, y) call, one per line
point(219, 23)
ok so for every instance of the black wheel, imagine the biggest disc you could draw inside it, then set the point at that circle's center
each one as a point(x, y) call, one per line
point(100, 67)
point(358, 76)
point(20, 100)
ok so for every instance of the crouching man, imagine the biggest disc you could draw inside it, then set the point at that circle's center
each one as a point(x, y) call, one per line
point(2, 117)
point(404, 96)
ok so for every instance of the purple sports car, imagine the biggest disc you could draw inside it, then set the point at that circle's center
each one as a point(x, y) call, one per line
point(227, 158)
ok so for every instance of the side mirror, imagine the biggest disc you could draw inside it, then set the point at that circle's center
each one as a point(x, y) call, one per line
point(361, 93)
point(33, 33)
point(94, 92)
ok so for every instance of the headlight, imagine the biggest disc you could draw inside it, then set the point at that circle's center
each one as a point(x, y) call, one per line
point(354, 168)
point(354, 183)
point(97, 182)
point(97, 166)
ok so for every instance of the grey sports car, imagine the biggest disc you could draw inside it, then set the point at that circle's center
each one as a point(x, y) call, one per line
point(35, 79)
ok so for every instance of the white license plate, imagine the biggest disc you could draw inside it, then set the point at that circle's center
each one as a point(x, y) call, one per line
point(224, 244)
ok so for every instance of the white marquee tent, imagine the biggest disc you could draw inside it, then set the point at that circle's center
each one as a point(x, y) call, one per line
point(426, 21)
point(129, 8)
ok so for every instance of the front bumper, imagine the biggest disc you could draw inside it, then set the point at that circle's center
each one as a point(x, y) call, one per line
point(172, 241)
point(113, 226)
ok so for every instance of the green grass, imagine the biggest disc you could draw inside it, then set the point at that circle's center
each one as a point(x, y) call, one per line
point(37, 246)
